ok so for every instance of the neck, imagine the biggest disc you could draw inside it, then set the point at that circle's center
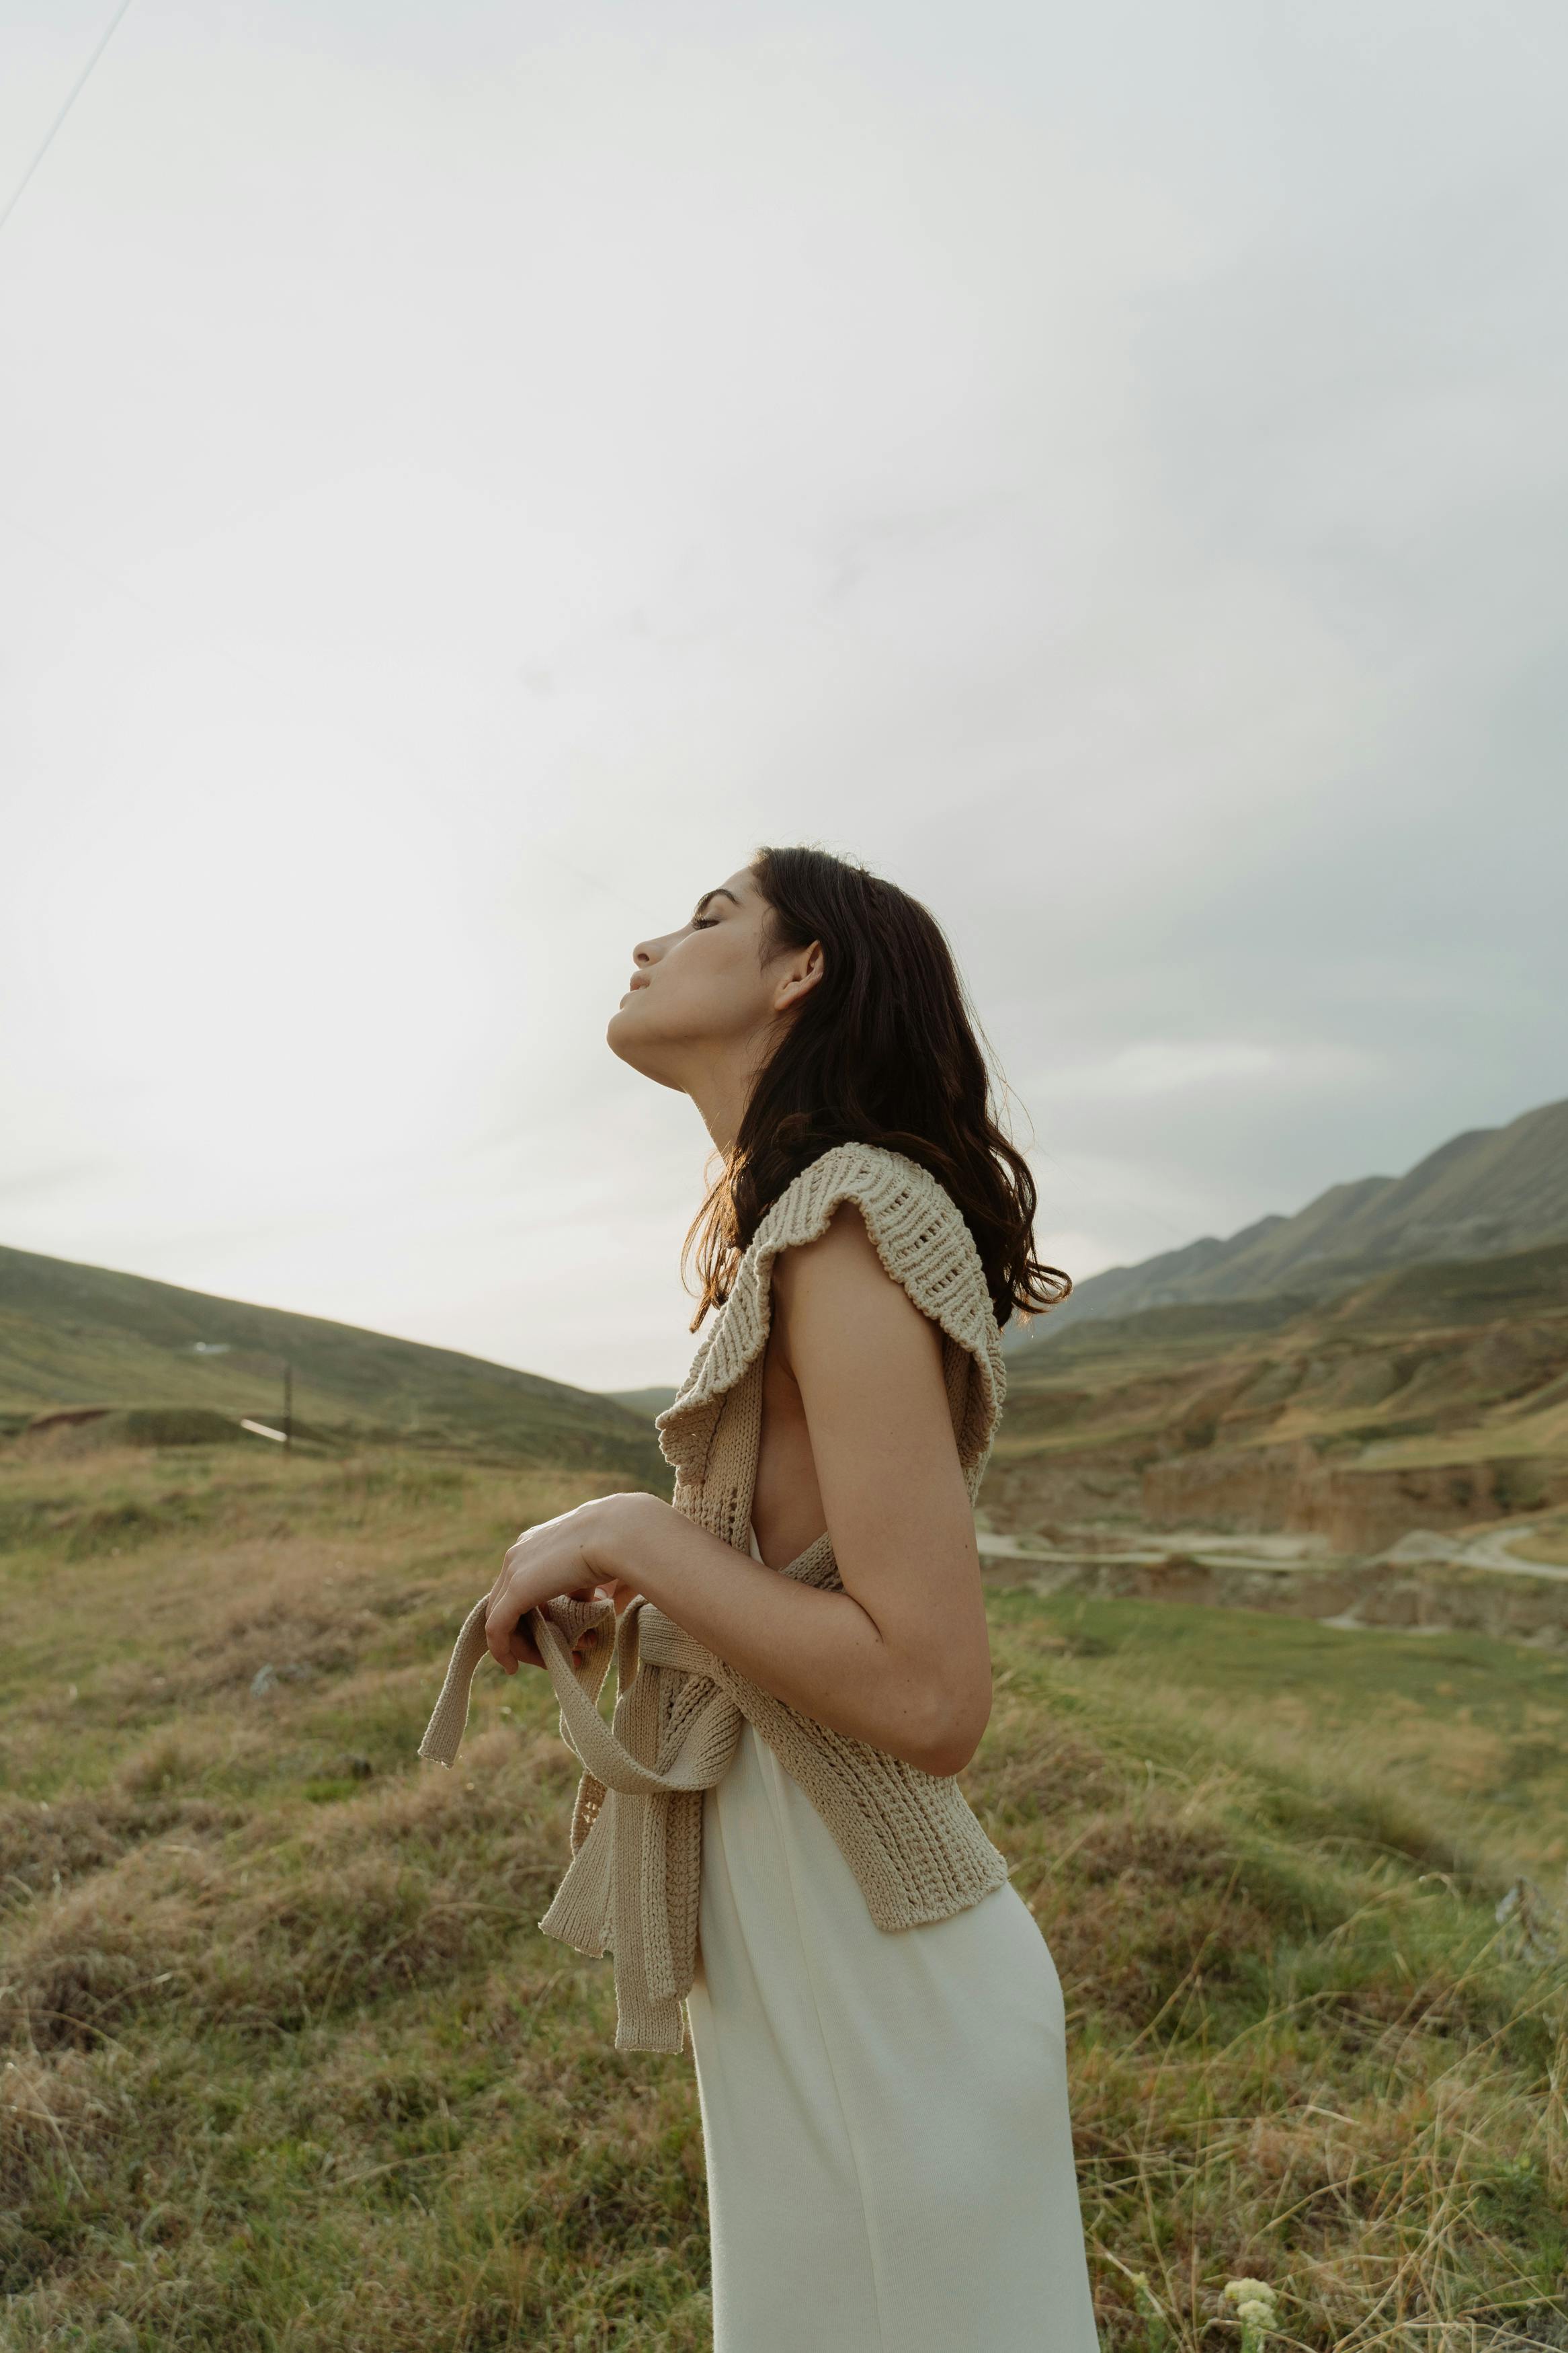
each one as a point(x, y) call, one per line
point(721, 1092)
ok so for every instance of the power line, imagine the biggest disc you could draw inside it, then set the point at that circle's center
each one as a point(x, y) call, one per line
point(590, 882)
point(76, 88)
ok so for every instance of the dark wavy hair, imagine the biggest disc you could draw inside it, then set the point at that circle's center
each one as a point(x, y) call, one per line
point(883, 1050)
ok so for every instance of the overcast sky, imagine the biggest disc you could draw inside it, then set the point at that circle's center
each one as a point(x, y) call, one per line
point(472, 472)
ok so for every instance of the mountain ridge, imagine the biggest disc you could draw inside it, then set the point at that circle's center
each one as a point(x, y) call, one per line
point(1483, 1193)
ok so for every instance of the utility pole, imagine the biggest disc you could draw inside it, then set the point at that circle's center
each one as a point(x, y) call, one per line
point(289, 1407)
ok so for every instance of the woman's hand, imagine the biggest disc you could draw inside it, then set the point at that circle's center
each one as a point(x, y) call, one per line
point(580, 1557)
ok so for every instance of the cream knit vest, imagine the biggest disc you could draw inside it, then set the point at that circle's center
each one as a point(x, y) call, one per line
point(634, 1877)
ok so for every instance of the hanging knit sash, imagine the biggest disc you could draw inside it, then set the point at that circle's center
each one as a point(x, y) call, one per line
point(634, 1884)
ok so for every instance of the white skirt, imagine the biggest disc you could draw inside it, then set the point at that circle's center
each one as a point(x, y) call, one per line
point(890, 2161)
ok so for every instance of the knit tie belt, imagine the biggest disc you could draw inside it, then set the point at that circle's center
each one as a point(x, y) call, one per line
point(633, 1883)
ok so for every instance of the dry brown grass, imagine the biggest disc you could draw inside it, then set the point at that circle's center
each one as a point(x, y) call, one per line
point(285, 2063)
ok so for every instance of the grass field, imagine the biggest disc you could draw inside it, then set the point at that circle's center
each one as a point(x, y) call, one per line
point(285, 2063)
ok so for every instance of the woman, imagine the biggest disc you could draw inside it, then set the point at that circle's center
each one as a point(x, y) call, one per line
point(770, 1838)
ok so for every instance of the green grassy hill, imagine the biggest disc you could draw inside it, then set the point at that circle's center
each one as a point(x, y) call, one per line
point(1427, 1397)
point(82, 1335)
point(286, 2066)
point(646, 1402)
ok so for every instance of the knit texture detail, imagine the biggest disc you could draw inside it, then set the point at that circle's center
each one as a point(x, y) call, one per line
point(634, 1884)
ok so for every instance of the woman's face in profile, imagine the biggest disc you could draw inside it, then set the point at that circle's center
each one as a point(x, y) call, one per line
point(697, 990)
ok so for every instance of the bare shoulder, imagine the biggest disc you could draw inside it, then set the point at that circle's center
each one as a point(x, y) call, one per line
point(837, 1288)
point(843, 1254)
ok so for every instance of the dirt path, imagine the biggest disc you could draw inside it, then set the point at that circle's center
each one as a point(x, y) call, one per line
point(1494, 1550)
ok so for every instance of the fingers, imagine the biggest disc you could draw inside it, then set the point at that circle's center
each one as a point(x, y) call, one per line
point(507, 1637)
point(524, 1650)
point(510, 1644)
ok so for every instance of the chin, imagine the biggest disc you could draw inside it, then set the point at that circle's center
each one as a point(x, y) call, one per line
point(640, 1054)
point(620, 1031)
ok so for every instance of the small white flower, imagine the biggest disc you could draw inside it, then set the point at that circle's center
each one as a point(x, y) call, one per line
point(1244, 2290)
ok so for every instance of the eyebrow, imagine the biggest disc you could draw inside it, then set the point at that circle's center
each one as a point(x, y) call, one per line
point(721, 892)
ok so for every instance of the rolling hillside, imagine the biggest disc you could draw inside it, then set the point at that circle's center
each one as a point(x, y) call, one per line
point(1491, 1191)
point(1430, 1396)
point(645, 1403)
point(77, 1336)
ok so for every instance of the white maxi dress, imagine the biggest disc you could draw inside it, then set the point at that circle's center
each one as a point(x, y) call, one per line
point(890, 2161)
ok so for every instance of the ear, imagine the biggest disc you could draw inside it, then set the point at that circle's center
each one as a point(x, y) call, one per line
point(799, 977)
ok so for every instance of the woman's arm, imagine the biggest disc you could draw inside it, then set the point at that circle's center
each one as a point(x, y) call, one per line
point(901, 1657)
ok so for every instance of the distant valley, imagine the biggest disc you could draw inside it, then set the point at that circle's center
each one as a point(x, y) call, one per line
point(1391, 1362)
point(1389, 1365)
